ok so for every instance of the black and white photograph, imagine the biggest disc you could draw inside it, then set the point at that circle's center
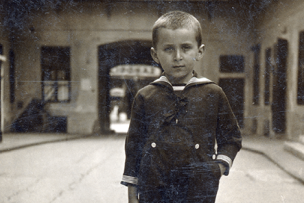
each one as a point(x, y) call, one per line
point(151, 101)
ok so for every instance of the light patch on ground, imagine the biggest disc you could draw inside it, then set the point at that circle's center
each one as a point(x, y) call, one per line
point(270, 176)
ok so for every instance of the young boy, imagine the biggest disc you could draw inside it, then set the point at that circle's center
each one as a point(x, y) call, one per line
point(176, 122)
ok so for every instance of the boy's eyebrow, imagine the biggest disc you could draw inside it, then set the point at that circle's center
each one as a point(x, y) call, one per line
point(166, 45)
point(171, 44)
point(186, 43)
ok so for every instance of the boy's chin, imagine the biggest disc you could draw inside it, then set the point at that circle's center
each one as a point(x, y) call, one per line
point(179, 78)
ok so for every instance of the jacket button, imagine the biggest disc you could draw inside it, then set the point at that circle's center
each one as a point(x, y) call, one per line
point(153, 144)
point(196, 146)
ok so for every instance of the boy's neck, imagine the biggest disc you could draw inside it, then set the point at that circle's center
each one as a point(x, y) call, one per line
point(178, 80)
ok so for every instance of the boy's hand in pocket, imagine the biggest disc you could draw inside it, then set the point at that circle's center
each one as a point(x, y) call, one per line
point(223, 168)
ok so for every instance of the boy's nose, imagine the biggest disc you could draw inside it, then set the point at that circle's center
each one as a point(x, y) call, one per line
point(178, 55)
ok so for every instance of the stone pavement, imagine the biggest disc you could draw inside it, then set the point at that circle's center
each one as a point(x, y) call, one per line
point(273, 149)
point(13, 141)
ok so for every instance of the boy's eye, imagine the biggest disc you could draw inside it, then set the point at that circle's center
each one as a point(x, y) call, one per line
point(169, 49)
point(186, 47)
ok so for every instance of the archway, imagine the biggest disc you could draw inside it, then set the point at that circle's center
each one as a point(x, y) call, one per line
point(115, 54)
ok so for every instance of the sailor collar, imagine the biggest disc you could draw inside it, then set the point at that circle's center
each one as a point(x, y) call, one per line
point(163, 80)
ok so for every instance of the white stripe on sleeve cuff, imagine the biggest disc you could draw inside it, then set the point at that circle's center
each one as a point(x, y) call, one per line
point(129, 179)
point(225, 158)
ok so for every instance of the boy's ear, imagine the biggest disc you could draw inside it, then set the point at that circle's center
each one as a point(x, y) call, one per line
point(154, 55)
point(201, 51)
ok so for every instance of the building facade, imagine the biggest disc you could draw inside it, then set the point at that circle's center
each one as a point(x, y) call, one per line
point(60, 55)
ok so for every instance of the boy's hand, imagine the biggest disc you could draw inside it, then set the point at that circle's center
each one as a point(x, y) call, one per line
point(223, 168)
point(132, 194)
point(133, 201)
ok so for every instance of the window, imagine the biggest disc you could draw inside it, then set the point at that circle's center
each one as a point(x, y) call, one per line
point(300, 95)
point(1, 52)
point(12, 75)
point(232, 64)
point(233, 87)
point(55, 64)
point(267, 75)
point(256, 75)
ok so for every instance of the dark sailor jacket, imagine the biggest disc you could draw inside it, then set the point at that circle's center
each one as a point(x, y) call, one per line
point(169, 131)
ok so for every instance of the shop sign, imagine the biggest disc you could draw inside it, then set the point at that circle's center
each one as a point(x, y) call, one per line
point(135, 70)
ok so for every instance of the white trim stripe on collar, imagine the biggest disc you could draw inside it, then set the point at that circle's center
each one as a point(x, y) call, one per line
point(178, 88)
point(198, 80)
point(192, 80)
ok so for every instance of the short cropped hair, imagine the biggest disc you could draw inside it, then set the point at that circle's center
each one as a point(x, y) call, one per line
point(175, 20)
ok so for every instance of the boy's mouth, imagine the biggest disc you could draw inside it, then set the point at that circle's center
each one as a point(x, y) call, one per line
point(180, 66)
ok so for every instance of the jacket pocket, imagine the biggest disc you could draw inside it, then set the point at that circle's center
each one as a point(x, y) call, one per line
point(209, 170)
point(215, 169)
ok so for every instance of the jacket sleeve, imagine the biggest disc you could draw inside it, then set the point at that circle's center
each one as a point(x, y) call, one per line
point(134, 142)
point(228, 135)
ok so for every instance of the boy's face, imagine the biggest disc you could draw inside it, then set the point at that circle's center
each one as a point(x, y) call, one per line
point(177, 52)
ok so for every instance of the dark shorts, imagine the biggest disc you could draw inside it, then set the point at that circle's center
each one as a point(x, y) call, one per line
point(197, 184)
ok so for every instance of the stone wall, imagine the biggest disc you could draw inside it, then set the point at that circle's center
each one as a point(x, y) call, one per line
point(283, 19)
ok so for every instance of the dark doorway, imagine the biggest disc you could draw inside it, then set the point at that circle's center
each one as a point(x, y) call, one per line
point(1, 52)
point(279, 87)
point(111, 55)
point(234, 90)
point(300, 93)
